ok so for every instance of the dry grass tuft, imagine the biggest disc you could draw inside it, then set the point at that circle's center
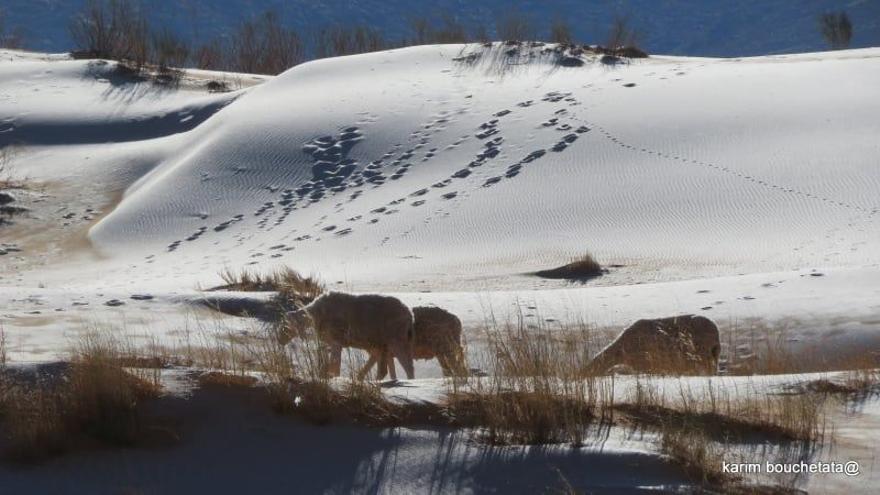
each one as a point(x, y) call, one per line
point(6, 173)
point(763, 349)
point(701, 426)
point(219, 378)
point(579, 269)
point(515, 417)
point(319, 402)
point(93, 402)
point(3, 354)
point(863, 381)
point(537, 389)
point(725, 415)
point(855, 386)
point(294, 380)
point(696, 454)
point(291, 286)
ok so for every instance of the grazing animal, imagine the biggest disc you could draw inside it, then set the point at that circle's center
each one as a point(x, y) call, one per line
point(687, 345)
point(369, 322)
point(437, 335)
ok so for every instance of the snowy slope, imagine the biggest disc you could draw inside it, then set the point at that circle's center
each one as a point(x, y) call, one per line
point(742, 189)
point(408, 166)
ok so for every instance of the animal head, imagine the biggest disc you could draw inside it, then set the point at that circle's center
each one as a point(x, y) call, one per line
point(453, 362)
point(293, 325)
point(714, 357)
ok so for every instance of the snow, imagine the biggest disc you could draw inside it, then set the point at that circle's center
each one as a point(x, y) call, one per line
point(724, 187)
point(259, 451)
point(695, 27)
point(744, 190)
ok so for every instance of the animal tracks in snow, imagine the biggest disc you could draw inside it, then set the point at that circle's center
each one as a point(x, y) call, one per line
point(730, 171)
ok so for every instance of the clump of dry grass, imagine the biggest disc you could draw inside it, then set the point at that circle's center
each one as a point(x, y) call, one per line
point(3, 354)
point(696, 454)
point(852, 387)
point(293, 377)
point(291, 286)
point(93, 401)
point(540, 389)
point(516, 417)
point(298, 385)
point(581, 268)
point(537, 389)
point(769, 351)
point(862, 381)
point(701, 424)
point(6, 176)
point(741, 415)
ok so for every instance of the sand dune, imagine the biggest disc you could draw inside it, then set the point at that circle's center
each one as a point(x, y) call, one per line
point(673, 167)
point(744, 190)
point(459, 168)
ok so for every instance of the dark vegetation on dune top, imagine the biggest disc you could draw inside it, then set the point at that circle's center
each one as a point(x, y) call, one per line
point(120, 30)
point(712, 28)
point(264, 44)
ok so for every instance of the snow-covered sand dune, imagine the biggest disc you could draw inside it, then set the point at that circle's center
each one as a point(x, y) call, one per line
point(406, 166)
point(741, 189)
point(460, 169)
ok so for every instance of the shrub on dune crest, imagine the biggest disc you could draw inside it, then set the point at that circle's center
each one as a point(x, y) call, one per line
point(560, 32)
point(623, 39)
point(836, 28)
point(514, 27)
point(8, 39)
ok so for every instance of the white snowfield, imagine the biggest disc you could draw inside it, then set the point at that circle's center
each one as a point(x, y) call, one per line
point(746, 190)
point(404, 166)
point(723, 187)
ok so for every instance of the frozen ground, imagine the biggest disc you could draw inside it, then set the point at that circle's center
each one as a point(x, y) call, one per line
point(736, 188)
point(261, 452)
point(741, 189)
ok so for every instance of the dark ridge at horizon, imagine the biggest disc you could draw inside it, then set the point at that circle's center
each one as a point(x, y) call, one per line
point(675, 27)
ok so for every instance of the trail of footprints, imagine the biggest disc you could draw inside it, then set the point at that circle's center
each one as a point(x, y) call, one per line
point(334, 172)
point(490, 134)
point(727, 170)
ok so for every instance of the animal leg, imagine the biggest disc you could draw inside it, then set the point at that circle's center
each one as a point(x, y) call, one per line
point(389, 360)
point(444, 365)
point(385, 363)
point(335, 361)
point(403, 352)
point(374, 357)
